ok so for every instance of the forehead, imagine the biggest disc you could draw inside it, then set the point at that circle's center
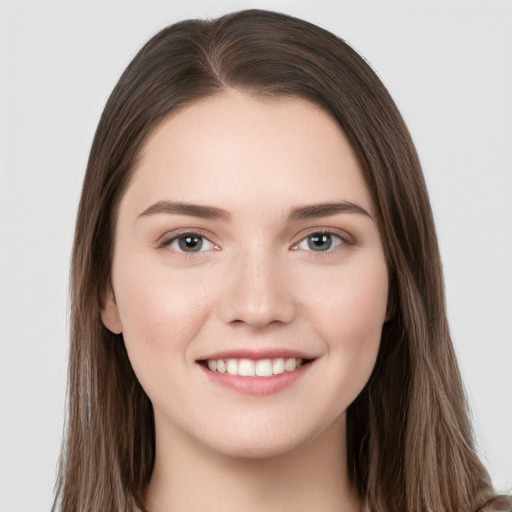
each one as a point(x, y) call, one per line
point(239, 150)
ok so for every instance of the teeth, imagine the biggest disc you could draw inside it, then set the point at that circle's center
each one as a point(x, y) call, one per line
point(232, 367)
point(245, 367)
point(221, 365)
point(290, 364)
point(278, 366)
point(263, 368)
point(258, 368)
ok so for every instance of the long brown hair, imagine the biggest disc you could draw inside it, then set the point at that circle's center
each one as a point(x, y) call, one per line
point(410, 444)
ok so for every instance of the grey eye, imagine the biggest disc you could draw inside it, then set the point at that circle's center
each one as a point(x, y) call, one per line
point(320, 242)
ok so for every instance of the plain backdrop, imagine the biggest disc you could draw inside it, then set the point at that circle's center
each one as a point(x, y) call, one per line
point(448, 65)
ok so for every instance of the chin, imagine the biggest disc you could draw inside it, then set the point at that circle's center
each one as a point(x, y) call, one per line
point(258, 449)
point(271, 440)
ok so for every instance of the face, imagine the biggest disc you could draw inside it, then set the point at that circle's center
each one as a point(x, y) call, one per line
point(248, 279)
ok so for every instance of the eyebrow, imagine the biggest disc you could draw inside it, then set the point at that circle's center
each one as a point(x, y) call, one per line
point(211, 212)
point(326, 209)
point(194, 210)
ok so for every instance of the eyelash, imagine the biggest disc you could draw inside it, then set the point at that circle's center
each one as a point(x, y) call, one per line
point(174, 238)
point(343, 239)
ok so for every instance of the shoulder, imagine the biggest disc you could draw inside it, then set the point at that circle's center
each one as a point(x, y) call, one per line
point(502, 503)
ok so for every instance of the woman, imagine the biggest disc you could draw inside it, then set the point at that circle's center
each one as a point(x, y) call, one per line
point(258, 315)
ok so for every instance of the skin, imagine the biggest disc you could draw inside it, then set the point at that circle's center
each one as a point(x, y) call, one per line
point(255, 283)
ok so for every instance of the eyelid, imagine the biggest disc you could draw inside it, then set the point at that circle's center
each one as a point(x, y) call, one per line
point(346, 237)
point(169, 237)
point(166, 239)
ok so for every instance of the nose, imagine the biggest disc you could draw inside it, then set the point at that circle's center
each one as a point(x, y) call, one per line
point(257, 292)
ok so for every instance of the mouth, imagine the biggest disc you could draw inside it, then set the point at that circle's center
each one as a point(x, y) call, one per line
point(258, 371)
point(243, 367)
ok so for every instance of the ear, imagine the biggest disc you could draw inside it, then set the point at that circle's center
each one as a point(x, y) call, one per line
point(110, 314)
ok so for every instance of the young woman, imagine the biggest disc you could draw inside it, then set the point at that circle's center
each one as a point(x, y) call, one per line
point(258, 316)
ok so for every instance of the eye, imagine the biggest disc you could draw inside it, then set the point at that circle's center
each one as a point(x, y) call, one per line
point(190, 242)
point(320, 242)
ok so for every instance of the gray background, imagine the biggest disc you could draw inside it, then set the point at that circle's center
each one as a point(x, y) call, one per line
point(448, 64)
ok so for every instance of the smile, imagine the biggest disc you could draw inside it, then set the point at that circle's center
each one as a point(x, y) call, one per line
point(255, 368)
point(257, 377)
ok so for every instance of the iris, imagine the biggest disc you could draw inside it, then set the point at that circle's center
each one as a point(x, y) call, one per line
point(190, 243)
point(320, 242)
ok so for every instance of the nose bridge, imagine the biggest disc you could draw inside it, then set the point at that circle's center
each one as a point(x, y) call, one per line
point(257, 293)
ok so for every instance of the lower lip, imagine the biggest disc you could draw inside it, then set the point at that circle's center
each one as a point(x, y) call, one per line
point(257, 386)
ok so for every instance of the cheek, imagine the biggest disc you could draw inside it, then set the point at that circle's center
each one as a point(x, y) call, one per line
point(160, 312)
point(349, 316)
point(356, 300)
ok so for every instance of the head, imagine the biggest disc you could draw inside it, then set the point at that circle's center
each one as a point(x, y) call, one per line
point(396, 459)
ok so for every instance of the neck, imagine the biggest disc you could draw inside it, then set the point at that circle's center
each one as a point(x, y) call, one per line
point(189, 477)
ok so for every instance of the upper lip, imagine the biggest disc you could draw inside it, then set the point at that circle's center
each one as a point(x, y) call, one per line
point(257, 353)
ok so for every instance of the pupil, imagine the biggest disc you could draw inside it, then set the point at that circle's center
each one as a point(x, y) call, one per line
point(320, 242)
point(190, 243)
